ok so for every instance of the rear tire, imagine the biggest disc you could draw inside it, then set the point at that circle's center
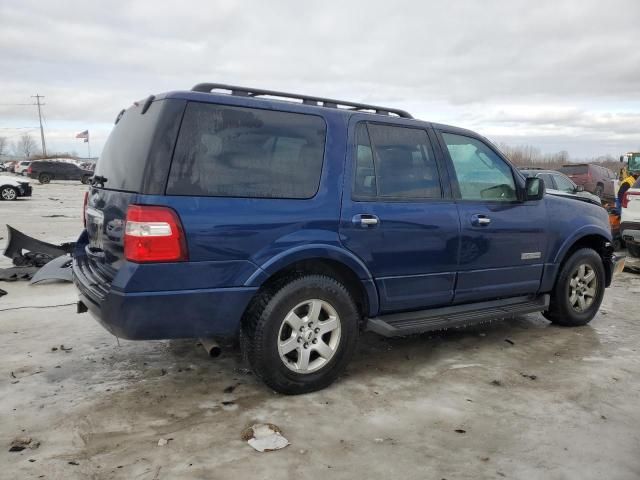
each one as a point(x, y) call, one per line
point(599, 190)
point(44, 178)
point(579, 289)
point(634, 250)
point(300, 336)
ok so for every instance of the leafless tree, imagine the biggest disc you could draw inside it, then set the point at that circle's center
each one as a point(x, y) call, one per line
point(26, 146)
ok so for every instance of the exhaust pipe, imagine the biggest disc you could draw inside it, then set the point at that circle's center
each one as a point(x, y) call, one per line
point(211, 347)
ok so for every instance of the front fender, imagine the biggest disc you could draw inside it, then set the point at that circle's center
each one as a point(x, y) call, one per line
point(318, 251)
point(577, 235)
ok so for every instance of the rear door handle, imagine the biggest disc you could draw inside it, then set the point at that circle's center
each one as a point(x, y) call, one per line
point(365, 220)
point(480, 220)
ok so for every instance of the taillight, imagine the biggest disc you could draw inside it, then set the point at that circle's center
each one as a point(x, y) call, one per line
point(626, 198)
point(154, 234)
point(84, 208)
point(29, 170)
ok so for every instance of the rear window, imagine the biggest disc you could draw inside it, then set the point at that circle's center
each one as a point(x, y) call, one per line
point(227, 151)
point(124, 156)
point(575, 169)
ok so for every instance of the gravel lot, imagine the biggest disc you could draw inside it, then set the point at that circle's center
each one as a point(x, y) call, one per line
point(517, 399)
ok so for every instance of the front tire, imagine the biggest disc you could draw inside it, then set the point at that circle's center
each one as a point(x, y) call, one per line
point(578, 291)
point(8, 193)
point(300, 336)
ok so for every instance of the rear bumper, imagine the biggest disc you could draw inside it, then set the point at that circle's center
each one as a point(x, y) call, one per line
point(154, 315)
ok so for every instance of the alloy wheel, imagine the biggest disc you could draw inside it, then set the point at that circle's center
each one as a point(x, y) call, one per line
point(582, 288)
point(309, 336)
point(8, 193)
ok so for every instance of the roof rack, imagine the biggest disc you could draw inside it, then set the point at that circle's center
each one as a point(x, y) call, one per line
point(306, 99)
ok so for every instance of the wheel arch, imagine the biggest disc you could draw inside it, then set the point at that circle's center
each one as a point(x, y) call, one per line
point(592, 237)
point(324, 260)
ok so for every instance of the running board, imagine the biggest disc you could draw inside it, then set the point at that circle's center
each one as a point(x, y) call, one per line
point(409, 323)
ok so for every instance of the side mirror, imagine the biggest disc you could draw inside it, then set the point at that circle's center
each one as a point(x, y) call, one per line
point(579, 188)
point(621, 158)
point(534, 189)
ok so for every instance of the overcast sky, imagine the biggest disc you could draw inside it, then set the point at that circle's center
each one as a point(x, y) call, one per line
point(558, 75)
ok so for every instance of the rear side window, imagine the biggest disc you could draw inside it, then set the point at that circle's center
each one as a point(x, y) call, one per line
point(227, 151)
point(395, 162)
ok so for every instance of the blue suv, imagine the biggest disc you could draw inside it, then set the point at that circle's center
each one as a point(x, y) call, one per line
point(294, 223)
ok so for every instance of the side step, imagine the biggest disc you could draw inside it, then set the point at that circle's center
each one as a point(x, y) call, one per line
point(409, 323)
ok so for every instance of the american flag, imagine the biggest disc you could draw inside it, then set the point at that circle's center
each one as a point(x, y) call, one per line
point(84, 135)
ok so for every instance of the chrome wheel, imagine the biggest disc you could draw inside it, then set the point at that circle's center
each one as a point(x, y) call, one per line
point(309, 336)
point(583, 287)
point(9, 193)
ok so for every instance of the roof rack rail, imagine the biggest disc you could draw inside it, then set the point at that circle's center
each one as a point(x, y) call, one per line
point(306, 99)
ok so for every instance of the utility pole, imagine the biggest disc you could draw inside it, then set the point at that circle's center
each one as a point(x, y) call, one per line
point(44, 147)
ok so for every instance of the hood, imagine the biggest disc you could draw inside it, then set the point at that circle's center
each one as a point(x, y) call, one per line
point(7, 180)
point(593, 199)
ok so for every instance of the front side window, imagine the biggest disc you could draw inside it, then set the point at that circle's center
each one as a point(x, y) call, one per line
point(481, 173)
point(227, 151)
point(564, 184)
point(403, 163)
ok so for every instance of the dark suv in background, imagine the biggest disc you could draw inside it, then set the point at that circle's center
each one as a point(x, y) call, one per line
point(46, 170)
point(593, 178)
point(294, 222)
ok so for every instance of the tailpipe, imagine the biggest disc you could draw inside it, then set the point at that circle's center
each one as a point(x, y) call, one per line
point(211, 347)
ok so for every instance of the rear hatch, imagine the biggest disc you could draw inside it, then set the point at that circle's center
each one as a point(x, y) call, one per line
point(134, 162)
point(578, 173)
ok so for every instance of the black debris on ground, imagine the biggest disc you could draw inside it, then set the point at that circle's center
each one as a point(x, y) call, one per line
point(21, 443)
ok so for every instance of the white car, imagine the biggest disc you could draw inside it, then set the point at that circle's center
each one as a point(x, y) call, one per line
point(630, 219)
point(21, 168)
point(11, 188)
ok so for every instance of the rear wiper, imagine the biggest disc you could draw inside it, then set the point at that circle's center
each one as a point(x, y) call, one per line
point(98, 180)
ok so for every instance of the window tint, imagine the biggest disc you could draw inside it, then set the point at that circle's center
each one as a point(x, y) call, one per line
point(548, 180)
point(564, 183)
point(404, 163)
point(481, 173)
point(365, 181)
point(244, 152)
point(125, 153)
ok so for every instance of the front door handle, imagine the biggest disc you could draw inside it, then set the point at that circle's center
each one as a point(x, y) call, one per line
point(365, 220)
point(480, 220)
